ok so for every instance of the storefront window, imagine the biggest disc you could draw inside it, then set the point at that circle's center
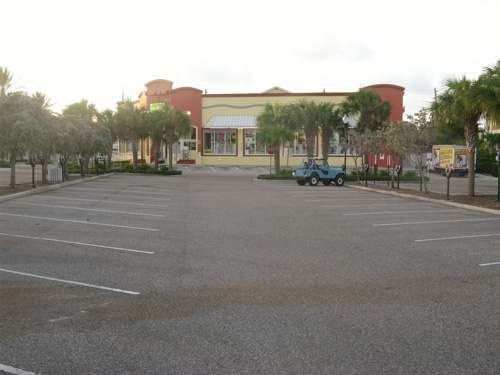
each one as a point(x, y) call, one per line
point(299, 143)
point(219, 142)
point(336, 144)
point(253, 146)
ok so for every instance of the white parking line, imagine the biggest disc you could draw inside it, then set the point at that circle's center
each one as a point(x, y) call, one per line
point(398, 212)
point(99, 201)
point(378, 205)
point(88, 209)
point(70, 282)
point(212, 168)
point(457, 238)
point(13, 370)
point(347, 199)
point(81, 222)
point(489, 264)
point(118, 196)
point(77, 243)
point(116, 190)
point(431, 222)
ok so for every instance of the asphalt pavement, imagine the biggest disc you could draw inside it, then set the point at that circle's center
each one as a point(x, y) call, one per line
point(222, 274)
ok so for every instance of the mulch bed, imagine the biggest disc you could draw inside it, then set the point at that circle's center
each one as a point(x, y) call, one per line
point(6, 190)
point(485, 201)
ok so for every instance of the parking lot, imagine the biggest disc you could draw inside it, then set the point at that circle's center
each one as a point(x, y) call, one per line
point(221, 274)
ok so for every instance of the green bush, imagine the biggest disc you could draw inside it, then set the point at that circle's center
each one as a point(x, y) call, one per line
point(119, 163)
point(284, 174)
point(145, 168)
point(410, 175)
point(486, 162)
point(4, 163)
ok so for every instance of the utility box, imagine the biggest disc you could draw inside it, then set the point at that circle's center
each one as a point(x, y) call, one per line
point(55, 175)
point(456, 157)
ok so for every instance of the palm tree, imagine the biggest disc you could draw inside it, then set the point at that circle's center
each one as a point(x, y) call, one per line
point(107, 118)
point(156, 125)
point(43, 100)
point(303, 114)
point(130, 123)
point(459, 104)
point(6, 78)
point(488, 86)
point(273, 130)
point(330, 121)
point(177, 125)
point(368, 107)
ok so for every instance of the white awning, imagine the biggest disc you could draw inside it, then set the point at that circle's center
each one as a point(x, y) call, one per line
point(231, 122)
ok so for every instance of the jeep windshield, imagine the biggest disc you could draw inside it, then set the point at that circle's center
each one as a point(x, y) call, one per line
point(308, 163)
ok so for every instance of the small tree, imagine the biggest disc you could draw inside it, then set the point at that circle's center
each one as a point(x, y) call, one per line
point(20, 127)
point(420, 138)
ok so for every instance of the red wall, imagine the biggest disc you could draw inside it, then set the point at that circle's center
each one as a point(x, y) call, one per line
point(393, 94)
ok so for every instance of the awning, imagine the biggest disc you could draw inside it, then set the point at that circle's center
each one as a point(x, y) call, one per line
point(232, 122)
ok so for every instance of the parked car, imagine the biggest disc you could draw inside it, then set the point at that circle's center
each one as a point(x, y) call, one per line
point(315, 170)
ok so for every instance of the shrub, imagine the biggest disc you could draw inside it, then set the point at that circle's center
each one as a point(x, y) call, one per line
point(284, 174)
point(485, 162)
point(4, 163)
point(410, 175)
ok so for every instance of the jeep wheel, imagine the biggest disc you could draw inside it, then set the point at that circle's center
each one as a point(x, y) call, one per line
point(339, 181)
point(314, 179)
point(301, 182)
point(326, 182)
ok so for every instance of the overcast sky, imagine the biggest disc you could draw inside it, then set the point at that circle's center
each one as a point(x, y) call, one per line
point(101, 50)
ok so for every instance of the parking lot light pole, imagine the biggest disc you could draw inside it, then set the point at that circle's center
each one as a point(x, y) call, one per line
point(94, 120)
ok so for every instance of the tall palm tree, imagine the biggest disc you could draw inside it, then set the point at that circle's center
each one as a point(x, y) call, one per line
point(330, 121)
point(488, 87)
point(459, 104)
point(6, 78)
point(303, 114)
point(107, 118)
point(368, 107)
point(178, 125)
point(131, 125)
point(43, 100)
point(273, 130)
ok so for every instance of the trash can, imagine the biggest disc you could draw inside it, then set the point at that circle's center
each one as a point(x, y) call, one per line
point(55, 175)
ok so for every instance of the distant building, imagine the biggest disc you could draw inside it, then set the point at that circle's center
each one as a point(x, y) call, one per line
point(225, 130)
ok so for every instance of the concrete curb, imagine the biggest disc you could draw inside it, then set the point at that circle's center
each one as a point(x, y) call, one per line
point(447, 203)
point(51, 187)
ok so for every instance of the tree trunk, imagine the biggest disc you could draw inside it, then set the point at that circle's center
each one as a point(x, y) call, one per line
point(277, 160)
point(110, 155)
point(471, 131)
point(134, 154)
point(157, 156)
point(472, 167)
point(170, 156)
point(12, 171)
point(310, 142)
point(142, 151)
point(44, 163)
